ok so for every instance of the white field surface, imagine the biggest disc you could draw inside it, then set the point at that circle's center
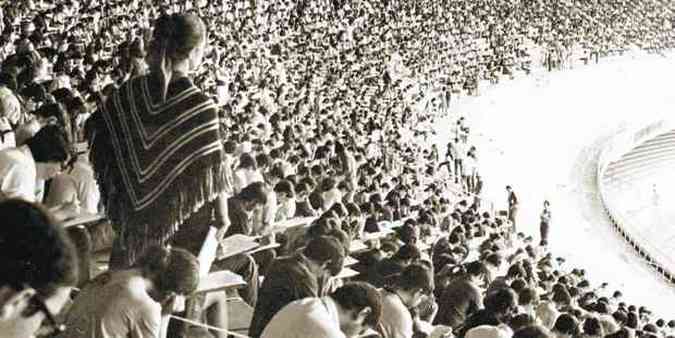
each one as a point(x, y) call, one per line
point(542, 134)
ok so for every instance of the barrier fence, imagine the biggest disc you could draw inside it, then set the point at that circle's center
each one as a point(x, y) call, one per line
point(620, 144)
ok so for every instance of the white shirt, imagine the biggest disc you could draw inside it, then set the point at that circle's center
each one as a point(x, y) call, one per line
point(18, 174)
point(306, 318)
point(77, 185)
point(396, 320)
point(244, 177)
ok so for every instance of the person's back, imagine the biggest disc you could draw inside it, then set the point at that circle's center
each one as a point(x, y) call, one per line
point(288, 279)
point(18, 174)
point(157, 148)
point(460, 299)
point(114, 305)
point(306, 318)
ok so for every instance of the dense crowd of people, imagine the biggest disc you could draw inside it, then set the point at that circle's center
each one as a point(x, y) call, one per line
point(173, 119)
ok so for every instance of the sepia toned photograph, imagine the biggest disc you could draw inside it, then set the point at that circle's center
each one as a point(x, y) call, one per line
point(337, 169)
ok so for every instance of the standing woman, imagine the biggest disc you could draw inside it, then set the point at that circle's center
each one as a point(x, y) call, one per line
point(545, 223)
point(157, 149)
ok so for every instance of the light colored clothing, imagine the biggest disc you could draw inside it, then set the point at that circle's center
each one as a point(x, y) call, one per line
point(8, 139)
point(77, 185)
point(18, 174)
point(244, 177)
point(306, 318)
point(114, 305)
point(396, 321)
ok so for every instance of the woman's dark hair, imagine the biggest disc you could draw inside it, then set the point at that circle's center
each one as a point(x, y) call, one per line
point(34, 250)
point(174, 37)
point(172, 270)
point(285, 187)
point(50, 144)
point(356, 296)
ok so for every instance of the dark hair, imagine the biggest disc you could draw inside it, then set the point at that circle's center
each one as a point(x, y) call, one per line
point(356, 296)
point(34, 251)
point(593, 327)
point(285, 187)
point(567, 324)
point(324, 249)
point(500, 301)
point(172, 270)
point(407, 252)
point(416, 276)
point(533, 331)
point(527, 296)
point(255, 191)
point(174, 37)
point(521, 321)
point(230, 147)
point(50, 144)
point(247, 161)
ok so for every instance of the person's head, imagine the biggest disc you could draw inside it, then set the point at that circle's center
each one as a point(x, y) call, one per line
point(177, 44)
point(285, 190)
point(247, 161)
point(501, 303)
point(327, 255)
point(533, 331)
point(593, 327)
point(359, 307)
point(528, 297)
point(475, 270)
point(50, 148)
point(173, 271)
point(407, 254)
point(38, 268)
point(254, 194)
point(567, 325)
point(414, 283)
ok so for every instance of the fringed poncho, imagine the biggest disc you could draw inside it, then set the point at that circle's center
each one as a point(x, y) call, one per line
point(156, 163)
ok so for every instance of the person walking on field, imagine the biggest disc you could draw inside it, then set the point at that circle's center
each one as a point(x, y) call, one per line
point(513, 207)
point(545, 223)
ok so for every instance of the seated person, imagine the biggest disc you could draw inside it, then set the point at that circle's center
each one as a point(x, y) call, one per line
point(347, 312)
point(388, 268)
point(303, 206)
point(462, 297)
point(38, 268)
point(76, 183)
point(295, 277)
point(132, 302)
point(405, 294)
point(41, 158)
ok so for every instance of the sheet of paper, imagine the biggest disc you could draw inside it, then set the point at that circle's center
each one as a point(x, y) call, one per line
point(220, 280)
point(207, 254)
point(236, 244)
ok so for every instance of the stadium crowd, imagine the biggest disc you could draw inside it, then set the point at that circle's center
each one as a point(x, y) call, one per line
point(244, 115)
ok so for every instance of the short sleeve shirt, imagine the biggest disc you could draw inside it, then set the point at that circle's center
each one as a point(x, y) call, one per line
point(114, 305)
point(306, 318)
point(18, 174)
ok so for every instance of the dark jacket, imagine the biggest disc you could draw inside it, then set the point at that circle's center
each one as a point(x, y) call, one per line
point(287, 279)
